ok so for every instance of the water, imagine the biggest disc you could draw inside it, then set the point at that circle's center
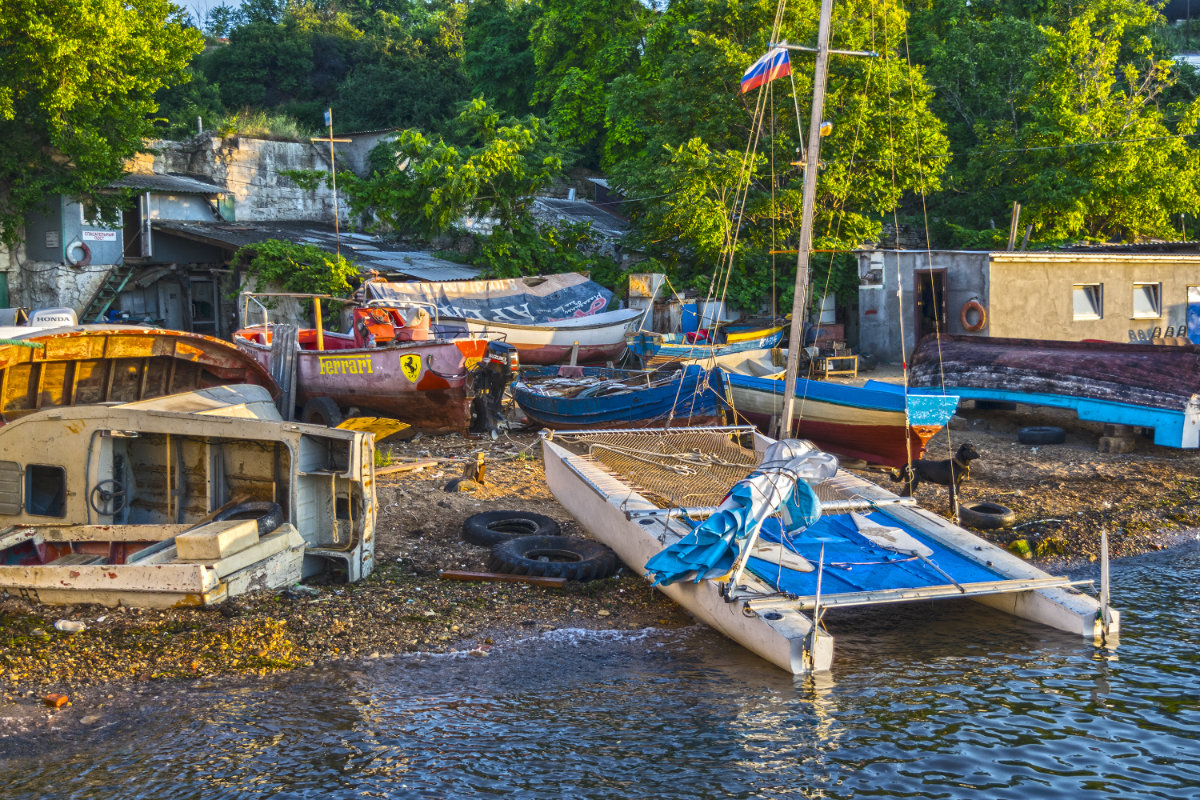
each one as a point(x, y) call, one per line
point(921, 704)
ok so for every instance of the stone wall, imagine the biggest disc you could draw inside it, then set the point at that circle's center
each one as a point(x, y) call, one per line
point(250, 169)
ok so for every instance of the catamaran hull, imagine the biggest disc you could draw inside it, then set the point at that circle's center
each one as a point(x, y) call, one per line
point(774, 626)
point(599, 502)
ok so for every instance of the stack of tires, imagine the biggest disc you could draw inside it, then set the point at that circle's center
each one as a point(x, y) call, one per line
point(524, 543)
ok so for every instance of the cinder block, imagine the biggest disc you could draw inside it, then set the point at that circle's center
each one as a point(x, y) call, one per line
point(216, 540)
point(1117, 444)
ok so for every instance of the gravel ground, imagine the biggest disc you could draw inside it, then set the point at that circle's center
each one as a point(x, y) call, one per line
point(1063, 496)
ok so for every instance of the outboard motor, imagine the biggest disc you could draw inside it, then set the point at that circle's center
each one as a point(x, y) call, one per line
point(489, 379)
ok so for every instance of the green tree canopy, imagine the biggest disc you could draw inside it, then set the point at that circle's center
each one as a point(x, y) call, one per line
point(78, 80)
point(679, 134)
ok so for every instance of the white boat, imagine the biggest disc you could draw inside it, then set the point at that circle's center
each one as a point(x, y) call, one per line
point(643, 492)
point(592, 339)
point(145, 504)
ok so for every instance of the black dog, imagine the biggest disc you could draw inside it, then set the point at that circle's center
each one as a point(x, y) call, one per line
point(949, 472)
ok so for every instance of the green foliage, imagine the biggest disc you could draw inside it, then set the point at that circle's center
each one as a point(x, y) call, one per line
point(678, 132)
point(496, 52)
point(1075, 112)
point(257, 124)
point(528, 249)
point(424, 186)
point(307, 179)
point(291, 267)
point(78, 80)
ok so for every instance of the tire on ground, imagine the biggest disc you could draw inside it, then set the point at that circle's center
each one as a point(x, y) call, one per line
point(1045, 434)
point(986, 516)
point(489, 528)
point(322, 411)
point(268, 514)
point(554, 557)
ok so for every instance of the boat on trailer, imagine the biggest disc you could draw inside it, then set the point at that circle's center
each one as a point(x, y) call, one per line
point(650, 492)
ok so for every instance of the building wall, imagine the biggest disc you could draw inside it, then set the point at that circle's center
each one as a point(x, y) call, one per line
point(250, 169)
point(1038, 297)
point(886, 292)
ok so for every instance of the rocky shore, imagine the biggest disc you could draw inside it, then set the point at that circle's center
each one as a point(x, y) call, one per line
point(1063, 496)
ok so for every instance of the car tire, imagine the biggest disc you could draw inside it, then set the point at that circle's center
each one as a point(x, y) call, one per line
point(492, 527)
point(1044, 434)
point(986, 516)
point(554, 557)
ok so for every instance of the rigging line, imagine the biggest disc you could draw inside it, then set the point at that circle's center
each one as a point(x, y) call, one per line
point(896, 227)
point(928, 251)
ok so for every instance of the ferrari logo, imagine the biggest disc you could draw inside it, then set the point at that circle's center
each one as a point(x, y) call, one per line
point(410, 365)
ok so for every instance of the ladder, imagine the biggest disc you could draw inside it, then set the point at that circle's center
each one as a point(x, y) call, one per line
point(106, 295)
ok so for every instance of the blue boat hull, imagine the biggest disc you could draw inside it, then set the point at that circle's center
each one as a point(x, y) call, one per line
point(695, 397)
point(671, 347)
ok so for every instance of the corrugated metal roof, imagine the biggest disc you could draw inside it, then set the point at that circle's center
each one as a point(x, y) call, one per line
point(370, 253)
point(582, 211)
point(177, 184)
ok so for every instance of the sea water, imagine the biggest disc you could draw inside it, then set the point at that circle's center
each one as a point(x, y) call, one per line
point(936, 700)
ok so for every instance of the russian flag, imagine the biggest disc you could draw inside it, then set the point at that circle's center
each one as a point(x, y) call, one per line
point(774, 64)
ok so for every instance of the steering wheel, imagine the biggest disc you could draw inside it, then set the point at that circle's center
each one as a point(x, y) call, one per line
point(381, 316)
point(107, 498)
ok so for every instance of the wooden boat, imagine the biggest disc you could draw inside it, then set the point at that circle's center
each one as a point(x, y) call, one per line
point(144, 504)
point(390, 363)
point(66, 366)
point(653, 492)
point(877, 423)
point(1143, 385)
point(659, 348)
point(591, 339)
point(597, 397)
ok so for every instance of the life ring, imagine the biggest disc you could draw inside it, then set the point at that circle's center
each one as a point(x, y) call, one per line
point(85, 254)
point(977, 307)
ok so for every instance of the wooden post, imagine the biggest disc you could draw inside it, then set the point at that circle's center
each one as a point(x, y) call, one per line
point(804, 246)
point(1013, 224)
point(319, 325)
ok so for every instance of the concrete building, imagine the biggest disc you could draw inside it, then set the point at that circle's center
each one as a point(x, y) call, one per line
point(1117, 296)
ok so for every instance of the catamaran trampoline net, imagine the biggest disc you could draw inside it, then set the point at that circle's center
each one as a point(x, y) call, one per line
point(676, 467)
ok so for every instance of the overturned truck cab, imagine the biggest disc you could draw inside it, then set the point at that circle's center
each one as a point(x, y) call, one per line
point(182, 500)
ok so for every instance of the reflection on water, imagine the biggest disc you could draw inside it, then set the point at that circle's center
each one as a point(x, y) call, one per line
point(942, 700)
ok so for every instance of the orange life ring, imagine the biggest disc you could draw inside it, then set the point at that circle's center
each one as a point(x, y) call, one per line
point(977, 307)
point(85, 254)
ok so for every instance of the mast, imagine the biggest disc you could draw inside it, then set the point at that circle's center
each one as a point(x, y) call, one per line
point(811, 168)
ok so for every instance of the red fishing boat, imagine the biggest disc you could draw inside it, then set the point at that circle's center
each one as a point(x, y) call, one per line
point(389, 363)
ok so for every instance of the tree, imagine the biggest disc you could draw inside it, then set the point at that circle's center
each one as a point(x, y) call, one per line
point(492, 167)
point(78, 80)
point(678, 134)
point(1092, 153)
point(497, 55)
point(579, 48)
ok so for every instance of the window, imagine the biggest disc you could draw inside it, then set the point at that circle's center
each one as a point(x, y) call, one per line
point(1088, 300)
point(91, 217)
point(1147, 300)
point(45, 491)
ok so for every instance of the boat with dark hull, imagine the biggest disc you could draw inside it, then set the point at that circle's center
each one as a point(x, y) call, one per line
point(1141, 385)
point(597, 397)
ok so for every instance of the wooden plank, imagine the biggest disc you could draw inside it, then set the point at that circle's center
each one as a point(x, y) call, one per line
point(460, 575)
point(110, 533)
point(395, 469)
